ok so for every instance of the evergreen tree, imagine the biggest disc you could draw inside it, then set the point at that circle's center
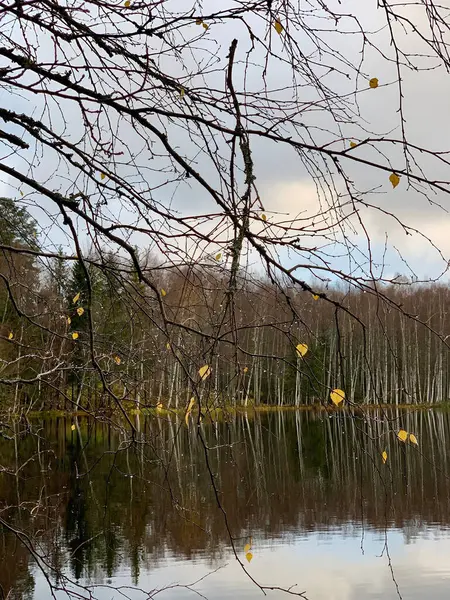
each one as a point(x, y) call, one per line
point(17, 226)
point(78, 311)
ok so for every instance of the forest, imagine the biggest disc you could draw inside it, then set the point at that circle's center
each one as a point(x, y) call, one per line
point(394, 353)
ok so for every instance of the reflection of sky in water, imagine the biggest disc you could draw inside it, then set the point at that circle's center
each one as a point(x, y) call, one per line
point(327, 566)
point(299, 483)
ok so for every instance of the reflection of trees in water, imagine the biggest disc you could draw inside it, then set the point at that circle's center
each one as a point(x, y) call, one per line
point(94, 500)
point(77, 525)
point(16, 580)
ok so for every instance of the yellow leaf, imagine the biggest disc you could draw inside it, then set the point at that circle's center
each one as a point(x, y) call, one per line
point(218, 256)
point(127, 3)
point(245, 369)
point(73, 428)
point(102, 176)
point(402, 435)
point(205, 26)
point(373, 83)
point(168, 346)
point(10, 335)
point(159, 406)
point(181, 92)
point(394, 179)
point(278, 27)
point(247, 548)
point(163, 292)
point(413, 439)
point(337, 396)
point(189, 410)
point(21, 193)
point(249, 556)
point(302, 349)
point(80, 311)
point(69, 320)
point(204, 372)
point(198, 21)
point(117, 359)
point(353, 145)
point(384, 457)
point(76, 298)
point(263, 217)
point(316, 296)
point(74, 335)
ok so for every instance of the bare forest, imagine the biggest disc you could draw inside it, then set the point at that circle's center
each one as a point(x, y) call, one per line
point(394, 353)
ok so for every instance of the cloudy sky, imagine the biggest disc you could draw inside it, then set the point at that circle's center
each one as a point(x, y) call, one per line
point(287, 192)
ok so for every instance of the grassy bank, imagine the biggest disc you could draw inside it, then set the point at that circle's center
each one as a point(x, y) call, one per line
point(218, 411)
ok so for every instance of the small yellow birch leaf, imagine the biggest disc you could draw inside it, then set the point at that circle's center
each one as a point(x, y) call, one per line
point(127, 3)
point(278, 27)
point(102, 176)
point(181, 92)
point(76, 298)
point(168, 346)
point(394, 179)
point(263, 217)
point(353, 145)
point(73, 428)
point(10, 335)
point(198, 21)
point(249, 556)
point(74, 335)
point(245, 369)
point(218, 256)
point(69, 320)
point(163, 292)
point(21, 193)
point(204, 372)
point(159, 406)
point(337, 396)
point(413, 439)
point(80, 311)
point(373, 83)
point(205, 26)
point(302, 349)
point(189, 410)
point(117, 359)
point(402, 435)
point(315, 296)
point(384, 457)
point(247, 548)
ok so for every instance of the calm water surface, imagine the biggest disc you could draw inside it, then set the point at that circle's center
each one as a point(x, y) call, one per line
point(309, 491)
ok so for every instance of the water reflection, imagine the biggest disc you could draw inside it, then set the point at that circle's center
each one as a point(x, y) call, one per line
point(309, 488)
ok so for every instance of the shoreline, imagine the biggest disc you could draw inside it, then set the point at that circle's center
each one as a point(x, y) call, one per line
point(230, 409)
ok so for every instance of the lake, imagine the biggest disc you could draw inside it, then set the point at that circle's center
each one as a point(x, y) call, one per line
point(305, 496)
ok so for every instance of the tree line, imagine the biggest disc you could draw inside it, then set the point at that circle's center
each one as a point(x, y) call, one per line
point(71, 329)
